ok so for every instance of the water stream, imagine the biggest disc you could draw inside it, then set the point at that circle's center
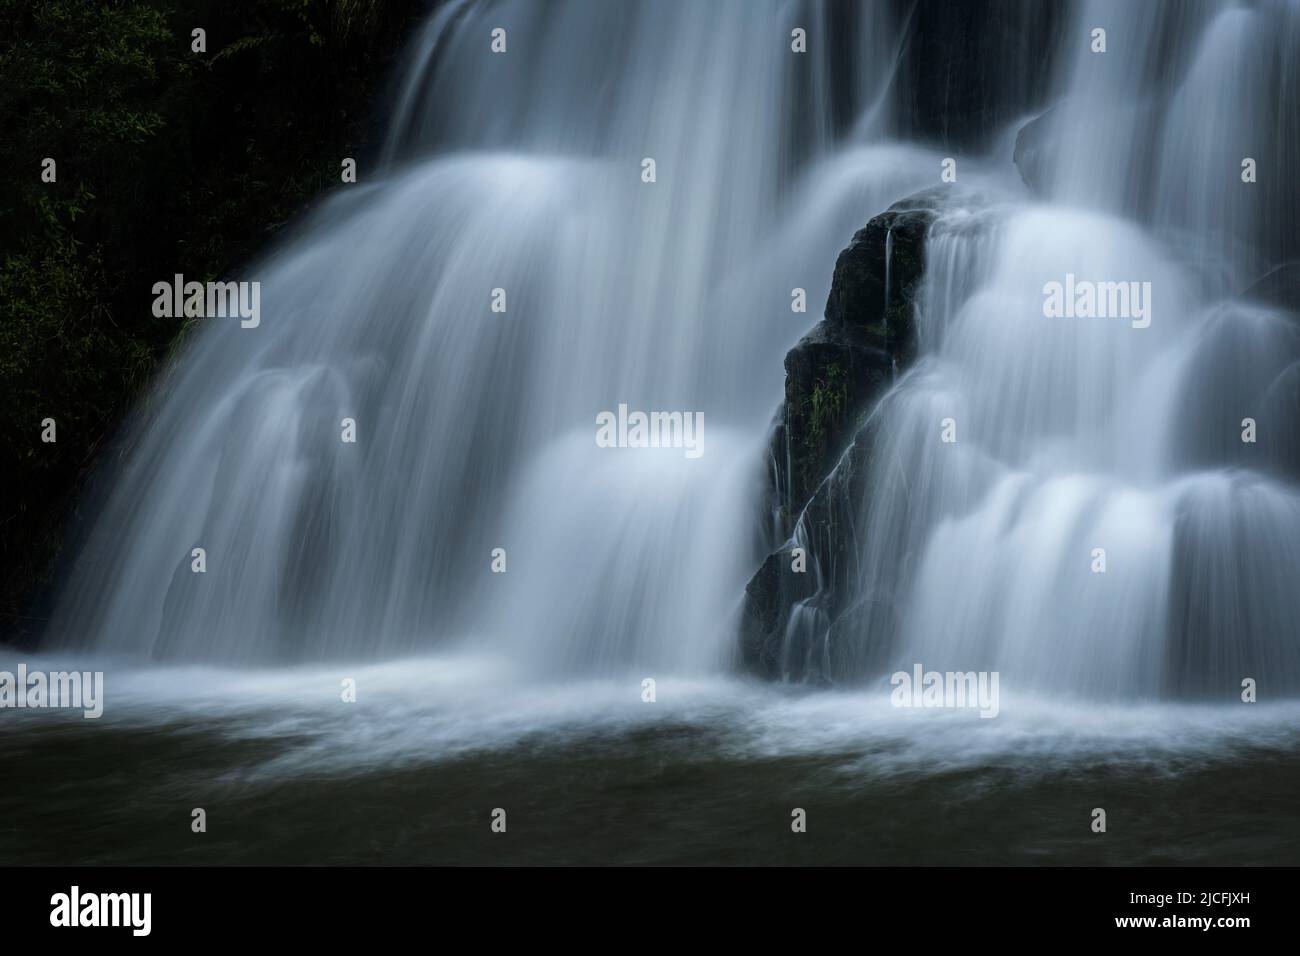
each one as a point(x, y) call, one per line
point(523, 172)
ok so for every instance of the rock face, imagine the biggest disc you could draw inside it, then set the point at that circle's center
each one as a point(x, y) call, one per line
point(821, 443)
point(1036, 152)
point(843, 365)
point(1042, 141)
point(1280, 287)
point(969, 68)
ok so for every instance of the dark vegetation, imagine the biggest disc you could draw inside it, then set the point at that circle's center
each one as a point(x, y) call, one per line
point(168, 161)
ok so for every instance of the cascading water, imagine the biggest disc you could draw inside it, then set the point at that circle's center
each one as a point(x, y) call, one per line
point(476, 428)
point(1098, 527)
point(522, 172)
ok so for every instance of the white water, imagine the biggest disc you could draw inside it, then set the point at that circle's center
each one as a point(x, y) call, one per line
point(1076, 434)
point(476, 429)
point(433, 710)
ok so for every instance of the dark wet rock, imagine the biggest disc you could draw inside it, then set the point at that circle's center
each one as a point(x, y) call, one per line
point(1246, 365)
point(771, 592)
point(1036, 151)
point(1280, 287)
point(839, 369)
point(1225, 543)
point(835, 376)
point(968, 69)
point(1041, 142)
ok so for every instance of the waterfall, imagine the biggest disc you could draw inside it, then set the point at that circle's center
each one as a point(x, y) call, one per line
point(523, 172)
point(1099, 527)
point(475, 429)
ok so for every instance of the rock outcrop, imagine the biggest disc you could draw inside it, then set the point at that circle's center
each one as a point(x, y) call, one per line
point(1279, 287)
point(837, 371)
point(1036, 151)
point(970, 68)
point(821, 443)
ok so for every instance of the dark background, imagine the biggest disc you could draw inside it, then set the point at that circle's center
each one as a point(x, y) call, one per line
point(168, 161)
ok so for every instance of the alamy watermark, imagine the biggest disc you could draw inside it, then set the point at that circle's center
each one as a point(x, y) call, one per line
point(922, 688)
point(82, 690)
point(1084, 299)
point(651, 430)
point(75, 908)
point(213, 300)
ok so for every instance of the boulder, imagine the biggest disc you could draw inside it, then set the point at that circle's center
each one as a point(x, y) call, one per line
point(838, 370)
point(822, 439)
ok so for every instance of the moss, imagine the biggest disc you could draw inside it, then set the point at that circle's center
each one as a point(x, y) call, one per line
point(835, 376)
point(823, 407)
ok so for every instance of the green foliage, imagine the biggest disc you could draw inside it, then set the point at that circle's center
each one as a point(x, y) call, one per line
point(168, 161)
point(821, 409)
point(829, 397)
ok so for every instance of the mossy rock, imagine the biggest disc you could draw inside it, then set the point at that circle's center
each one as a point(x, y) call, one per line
point(841, 368)
point(835, 376)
